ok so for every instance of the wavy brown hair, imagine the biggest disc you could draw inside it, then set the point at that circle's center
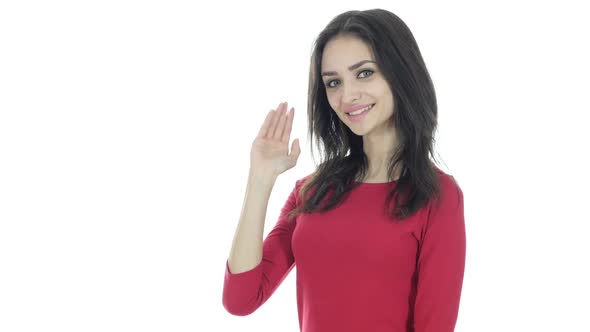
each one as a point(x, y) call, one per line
point(415, 118)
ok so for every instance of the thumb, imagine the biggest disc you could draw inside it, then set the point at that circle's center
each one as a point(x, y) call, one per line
point(295, 149)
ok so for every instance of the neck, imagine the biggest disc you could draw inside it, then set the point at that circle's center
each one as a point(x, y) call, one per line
point(379, 146)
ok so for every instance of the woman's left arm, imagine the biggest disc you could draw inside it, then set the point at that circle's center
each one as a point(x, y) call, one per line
point(441, 262)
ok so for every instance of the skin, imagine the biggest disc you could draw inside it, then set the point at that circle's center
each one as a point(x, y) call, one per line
point(360, 87)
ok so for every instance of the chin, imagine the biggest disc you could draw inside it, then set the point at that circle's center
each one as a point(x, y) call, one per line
point(359, 132)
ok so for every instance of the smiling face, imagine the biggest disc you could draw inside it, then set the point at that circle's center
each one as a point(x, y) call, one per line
point(351, 78)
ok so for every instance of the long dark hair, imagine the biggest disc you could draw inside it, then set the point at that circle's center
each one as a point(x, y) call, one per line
point(415, 118)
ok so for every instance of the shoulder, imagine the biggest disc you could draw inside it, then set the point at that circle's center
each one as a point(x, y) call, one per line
point(299, 182)
point(445, 210)
point(450, 190)
point(446, 181)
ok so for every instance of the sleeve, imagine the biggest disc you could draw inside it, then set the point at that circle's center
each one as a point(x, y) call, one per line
point(245, 292)
point(441, 263)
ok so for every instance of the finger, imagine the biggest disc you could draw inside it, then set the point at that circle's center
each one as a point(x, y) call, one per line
point(287, 133)
point(266, 124)
point(274, 121)
point(281, 125)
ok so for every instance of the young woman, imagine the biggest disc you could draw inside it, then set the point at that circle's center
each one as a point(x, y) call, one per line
point(377, 232)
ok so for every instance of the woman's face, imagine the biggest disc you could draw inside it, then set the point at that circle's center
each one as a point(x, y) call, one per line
point(350, 85)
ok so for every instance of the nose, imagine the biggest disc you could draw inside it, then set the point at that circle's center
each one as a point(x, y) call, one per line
point(350, 93)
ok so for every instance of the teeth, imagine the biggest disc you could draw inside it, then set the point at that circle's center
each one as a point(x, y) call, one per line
point(361, 110)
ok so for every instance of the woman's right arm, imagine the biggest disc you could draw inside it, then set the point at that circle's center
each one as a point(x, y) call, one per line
point(246, 251)
point(255, 267)
point(269, 158)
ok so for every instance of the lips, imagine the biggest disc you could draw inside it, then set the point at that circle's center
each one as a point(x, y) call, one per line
point(359, 117)
point(356, 108)
point(361, 110)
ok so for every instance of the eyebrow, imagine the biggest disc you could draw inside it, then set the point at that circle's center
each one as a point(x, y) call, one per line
point(351, 68)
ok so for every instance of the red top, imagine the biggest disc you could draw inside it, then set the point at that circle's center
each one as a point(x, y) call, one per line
point(357, 270)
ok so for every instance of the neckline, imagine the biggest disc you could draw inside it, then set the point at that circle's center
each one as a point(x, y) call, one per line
point(376, 184)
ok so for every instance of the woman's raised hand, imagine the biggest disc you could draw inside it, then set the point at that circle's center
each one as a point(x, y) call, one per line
point(270, 150)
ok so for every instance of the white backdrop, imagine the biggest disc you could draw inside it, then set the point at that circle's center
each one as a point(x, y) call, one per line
point(125, 132)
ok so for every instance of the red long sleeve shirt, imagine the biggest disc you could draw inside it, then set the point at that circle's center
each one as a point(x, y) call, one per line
point(358, 271)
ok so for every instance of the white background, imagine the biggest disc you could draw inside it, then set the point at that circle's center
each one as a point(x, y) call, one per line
point(125, 132)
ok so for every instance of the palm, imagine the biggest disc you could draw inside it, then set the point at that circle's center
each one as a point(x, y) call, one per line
point(270, 149)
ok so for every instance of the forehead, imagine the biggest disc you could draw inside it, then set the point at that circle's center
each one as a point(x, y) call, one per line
point(343, 51)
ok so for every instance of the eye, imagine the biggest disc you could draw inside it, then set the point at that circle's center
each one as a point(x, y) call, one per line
point(367, 70)
point(329, 83)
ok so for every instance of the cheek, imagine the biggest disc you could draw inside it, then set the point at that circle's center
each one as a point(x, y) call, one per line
point(332, 102)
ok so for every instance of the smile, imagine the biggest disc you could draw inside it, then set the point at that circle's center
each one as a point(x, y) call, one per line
point(360, 114)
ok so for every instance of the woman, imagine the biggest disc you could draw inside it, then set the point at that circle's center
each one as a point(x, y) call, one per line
point(377, 232)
